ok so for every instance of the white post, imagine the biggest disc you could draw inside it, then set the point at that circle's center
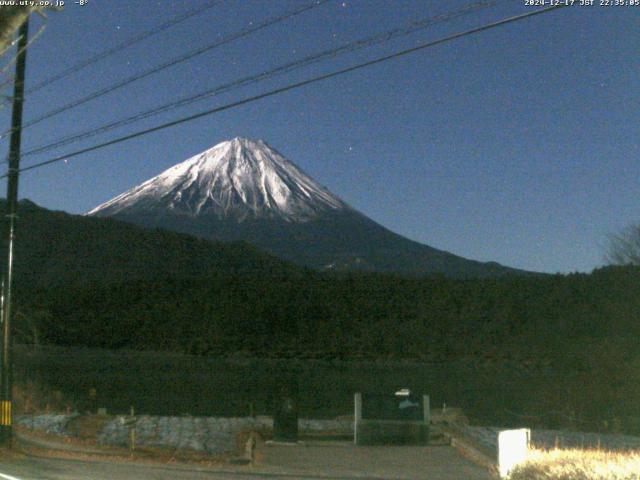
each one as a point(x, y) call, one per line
point(426, 406)
point(357, 415)
point(513, 446)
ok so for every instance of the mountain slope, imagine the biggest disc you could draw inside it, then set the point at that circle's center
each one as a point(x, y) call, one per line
point(245, 190)
point(57, 249)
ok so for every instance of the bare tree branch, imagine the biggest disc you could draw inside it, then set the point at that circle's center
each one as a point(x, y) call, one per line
point(624, 248)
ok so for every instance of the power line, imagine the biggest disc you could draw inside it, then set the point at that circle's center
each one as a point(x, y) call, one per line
point(9, 45)
point(121, 46)
point(292, 87)
point(13, 60)
point(183, 58)
point(8, 81)
point(285, 68)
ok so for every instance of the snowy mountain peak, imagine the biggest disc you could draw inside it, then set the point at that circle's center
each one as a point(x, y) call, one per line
point(239, 178)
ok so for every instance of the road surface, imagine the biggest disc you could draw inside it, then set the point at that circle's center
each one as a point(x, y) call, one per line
point(339, 462)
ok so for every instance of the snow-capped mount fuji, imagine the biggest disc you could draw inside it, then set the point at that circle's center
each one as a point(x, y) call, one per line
point(245, 190)
point(236, 179)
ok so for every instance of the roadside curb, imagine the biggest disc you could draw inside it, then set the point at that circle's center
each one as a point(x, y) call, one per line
point(43, 444)
point(249, 470)
point(470, 449)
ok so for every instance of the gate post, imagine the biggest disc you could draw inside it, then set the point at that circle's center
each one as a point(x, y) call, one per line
point(357, 415)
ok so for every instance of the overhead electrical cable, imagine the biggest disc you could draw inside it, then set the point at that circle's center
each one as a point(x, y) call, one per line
point(122, 46)
point(378, 38)
point(13, 59)
point(5, 83)
point(293, 86)
point(176, 61)
point(11, 44)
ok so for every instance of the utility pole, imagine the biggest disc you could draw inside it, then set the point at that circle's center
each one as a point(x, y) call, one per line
point(6, 380)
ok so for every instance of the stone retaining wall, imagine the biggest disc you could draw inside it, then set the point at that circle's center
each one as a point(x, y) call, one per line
point(200, 434)
point(54, 424)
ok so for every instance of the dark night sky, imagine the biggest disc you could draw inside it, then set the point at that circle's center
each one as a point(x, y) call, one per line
point(519, 144)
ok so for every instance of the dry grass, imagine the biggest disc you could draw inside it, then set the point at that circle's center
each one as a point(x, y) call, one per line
point(579, 465)
point(30, 397)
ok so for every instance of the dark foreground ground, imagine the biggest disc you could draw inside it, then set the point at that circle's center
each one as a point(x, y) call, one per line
point(308, 461)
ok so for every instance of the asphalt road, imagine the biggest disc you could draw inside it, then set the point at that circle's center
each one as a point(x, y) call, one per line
point(58, 469)
point(338, 462)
